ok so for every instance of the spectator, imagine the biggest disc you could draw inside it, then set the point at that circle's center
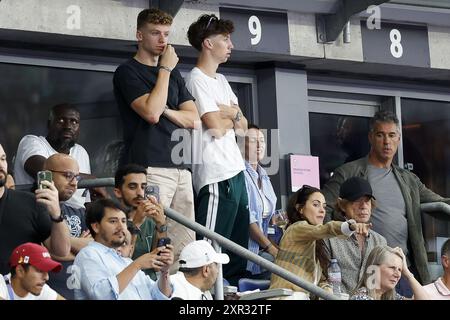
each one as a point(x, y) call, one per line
point(104, 274)
point(66, 174)
point(198, 271)
point(146, 215)
point(355, 202)
point(29, 218)
point(222, 202)
point(261, 202)
point(399, 192)
point(63, 131)
point(127, 248)
point(440, 289)
point(30, 264)
point(154, 102)
point(385, 266)
point(302, 247)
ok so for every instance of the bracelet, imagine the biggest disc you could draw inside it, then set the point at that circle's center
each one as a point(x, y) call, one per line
point(57, 220)
point(267, 247)
point(165, 68)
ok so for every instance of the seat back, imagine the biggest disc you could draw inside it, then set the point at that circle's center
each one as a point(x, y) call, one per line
point(247, 284)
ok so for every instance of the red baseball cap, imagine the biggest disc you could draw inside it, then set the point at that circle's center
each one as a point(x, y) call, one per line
point(35, 255)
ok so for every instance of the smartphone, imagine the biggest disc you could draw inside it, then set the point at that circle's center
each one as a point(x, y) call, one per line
point(151, 190)
point(162, 242)
point(43, 175)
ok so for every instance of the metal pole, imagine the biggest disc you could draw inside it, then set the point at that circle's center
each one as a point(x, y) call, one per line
point(230, 245)
point(218, 286)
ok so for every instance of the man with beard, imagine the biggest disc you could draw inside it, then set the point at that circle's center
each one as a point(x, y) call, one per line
point(63, 131)
point(104, 274)
point(65, 176)
point(146, 216)
point(25, 217)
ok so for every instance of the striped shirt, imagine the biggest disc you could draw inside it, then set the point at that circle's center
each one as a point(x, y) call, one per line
point(297, 252)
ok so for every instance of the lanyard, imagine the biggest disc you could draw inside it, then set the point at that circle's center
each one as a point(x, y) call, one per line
point(10, 289)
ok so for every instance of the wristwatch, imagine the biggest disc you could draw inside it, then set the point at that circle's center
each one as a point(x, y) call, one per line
point(238, 116)
point(162, 228)
point(57, 220)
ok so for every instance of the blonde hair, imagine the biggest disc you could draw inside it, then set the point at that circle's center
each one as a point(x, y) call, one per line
point(379, 255)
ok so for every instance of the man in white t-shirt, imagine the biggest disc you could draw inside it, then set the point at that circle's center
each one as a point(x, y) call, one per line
point(63, 132)
point(440, 289)
point(198, 271)
point(30, 264)
point(222, 203)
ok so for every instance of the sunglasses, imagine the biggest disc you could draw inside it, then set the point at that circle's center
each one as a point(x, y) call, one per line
point(211, 19)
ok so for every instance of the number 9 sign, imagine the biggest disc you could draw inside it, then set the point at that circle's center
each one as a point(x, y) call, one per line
point(254, 26)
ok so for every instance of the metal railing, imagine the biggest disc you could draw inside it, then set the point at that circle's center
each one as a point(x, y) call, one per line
point(436, 207)
point(221, 241)
point(237, 249)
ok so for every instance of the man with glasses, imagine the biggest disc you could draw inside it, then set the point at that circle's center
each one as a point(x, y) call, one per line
point(155, 105)
point(66, 175)
point(218, 170)
point(399, 194)
point(63, 132)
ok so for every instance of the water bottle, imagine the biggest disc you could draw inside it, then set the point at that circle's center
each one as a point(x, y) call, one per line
point(334, 276)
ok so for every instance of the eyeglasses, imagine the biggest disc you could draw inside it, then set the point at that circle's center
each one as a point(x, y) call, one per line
point(69, 175)
point(211, 19)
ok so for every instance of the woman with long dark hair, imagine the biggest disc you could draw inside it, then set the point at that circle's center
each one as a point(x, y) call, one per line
point(302, 248)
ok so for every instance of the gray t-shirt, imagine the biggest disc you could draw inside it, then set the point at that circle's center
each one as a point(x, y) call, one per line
point(389, 216)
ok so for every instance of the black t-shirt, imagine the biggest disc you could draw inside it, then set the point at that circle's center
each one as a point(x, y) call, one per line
point(22, 220)
point(147, 144)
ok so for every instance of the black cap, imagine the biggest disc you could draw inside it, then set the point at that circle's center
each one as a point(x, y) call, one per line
point(354, 188)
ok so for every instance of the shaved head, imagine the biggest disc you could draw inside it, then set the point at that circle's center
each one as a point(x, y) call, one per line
point(61, 162)
point(65, 170)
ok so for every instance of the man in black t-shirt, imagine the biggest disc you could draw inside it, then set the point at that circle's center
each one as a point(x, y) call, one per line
point(154, 105)
point(25, 217)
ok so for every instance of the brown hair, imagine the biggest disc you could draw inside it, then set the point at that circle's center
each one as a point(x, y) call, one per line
point(153, 16)
point(299, 198)
point(205, 26)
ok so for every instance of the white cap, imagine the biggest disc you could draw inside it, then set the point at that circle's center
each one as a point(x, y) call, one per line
point(200, 253)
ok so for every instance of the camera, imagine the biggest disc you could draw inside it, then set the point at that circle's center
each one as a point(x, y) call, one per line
point(43, 175)
point(151, 190)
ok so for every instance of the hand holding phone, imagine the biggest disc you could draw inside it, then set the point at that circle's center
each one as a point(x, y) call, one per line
point(44, 175)
point(151, 190)
point(162, 242)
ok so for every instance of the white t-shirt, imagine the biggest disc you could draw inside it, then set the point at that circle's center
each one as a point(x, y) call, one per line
point(185, 290)
point(31, 145)
point(47, 293)
point(214, 160)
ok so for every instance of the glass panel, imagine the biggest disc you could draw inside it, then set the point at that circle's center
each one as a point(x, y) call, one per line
point(28, 92)
point(426, 152)
point(337, 139)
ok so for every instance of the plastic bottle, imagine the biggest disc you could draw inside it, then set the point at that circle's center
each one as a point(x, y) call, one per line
point(334, 276)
